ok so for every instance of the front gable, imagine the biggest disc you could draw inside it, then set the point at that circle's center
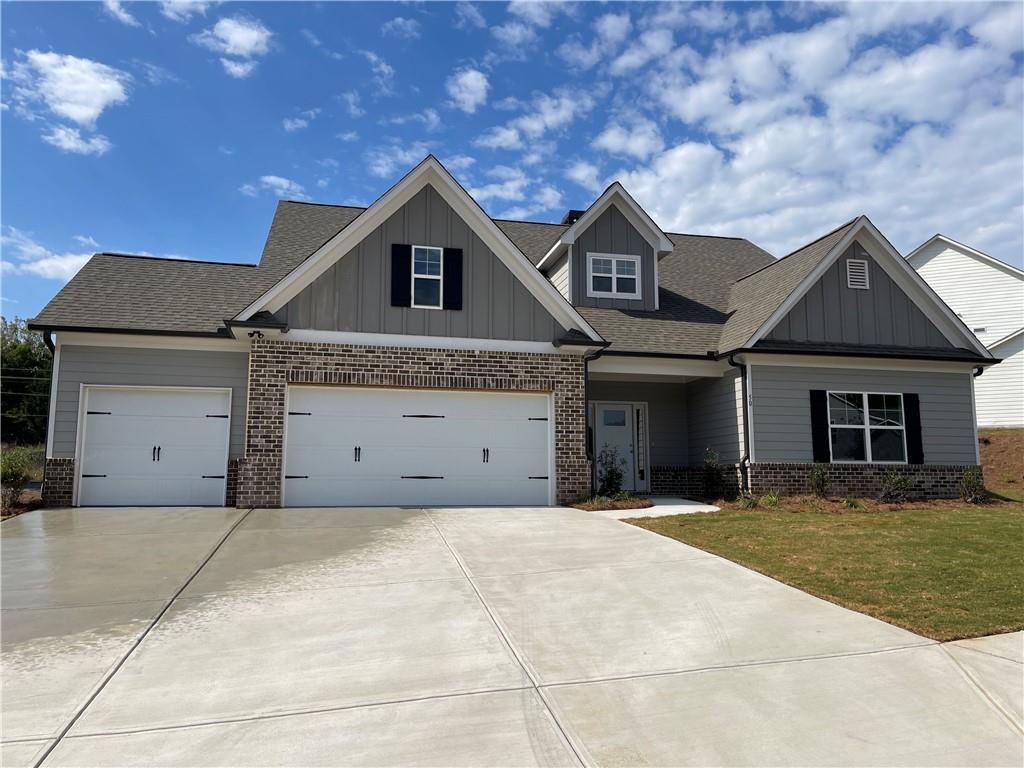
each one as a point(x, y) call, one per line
point(354, 294)
point(613, 234)
point(833, 312)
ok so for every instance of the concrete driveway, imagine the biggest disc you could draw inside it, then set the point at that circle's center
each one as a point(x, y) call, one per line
point(457, 637)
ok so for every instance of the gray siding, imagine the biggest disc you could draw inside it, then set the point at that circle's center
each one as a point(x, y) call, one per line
point(666, 411)
point(146, 367)
point(611, 232)
point(782, 409)
point(559, 276)
point(716, 418)
point(833, 313)
point(355, 293)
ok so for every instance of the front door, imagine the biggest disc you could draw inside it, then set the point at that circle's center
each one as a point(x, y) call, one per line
point(614, 431)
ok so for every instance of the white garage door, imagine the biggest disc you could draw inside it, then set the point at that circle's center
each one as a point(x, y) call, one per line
point(153, 447)
point(380, 447)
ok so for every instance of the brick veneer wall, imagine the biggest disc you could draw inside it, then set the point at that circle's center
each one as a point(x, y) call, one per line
point(58, 482)
point(689, 481)
point(275, 364)
point(929, 481)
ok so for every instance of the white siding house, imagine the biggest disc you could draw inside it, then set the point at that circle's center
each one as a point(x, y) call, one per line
point(988, 295)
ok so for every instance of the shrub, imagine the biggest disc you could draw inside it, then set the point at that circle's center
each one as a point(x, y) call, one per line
point(15, 471)
point(771, 499)
point(818, 480)
point(972, 486)
point(851, 503)
point(712, 474)
point(610, 470)
point(623, 496)
point(896, 486)
point(746, 501)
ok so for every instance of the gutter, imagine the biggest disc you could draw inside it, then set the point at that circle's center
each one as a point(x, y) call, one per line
point(745, 460)
point(977, 372)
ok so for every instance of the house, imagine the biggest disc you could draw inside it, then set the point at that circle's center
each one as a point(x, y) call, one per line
point(418, 352)
point(988, 295)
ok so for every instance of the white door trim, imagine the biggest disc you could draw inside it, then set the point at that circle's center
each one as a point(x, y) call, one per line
point(637, 405)
point(83, 396)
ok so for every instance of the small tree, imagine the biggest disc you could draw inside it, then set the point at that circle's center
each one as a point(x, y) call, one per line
point(610, 470)
point(712, 474)
point(818, 480)
point(972, 486)
point(895, 486)
point(15, 472)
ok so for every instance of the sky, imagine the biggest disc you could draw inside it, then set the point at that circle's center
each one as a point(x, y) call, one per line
point(172, 128)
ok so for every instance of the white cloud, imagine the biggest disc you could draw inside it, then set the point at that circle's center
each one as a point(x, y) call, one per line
point(500, 137)
point(539, 13)
point(87, 240)
point(514, 34)
point(545, 113)
point(238, 69)
point(300, 121)
point(511, 184)
point(468, 89)
point(639, 138)
point(585, 174)
point(651, 45)
point(457, 163)
point(388, 160)
point(240, 39)
point(29, 257)
point(428, 118)
point(69, 139)
point(117, 11)
point(1003, 28)
point(316, 42)
point(401, 27)
point(383, 73)
point(72, 88)
point(279, 186)
point(182, 11)
point(611, 28)
point(347, 136)
point(351, 101)
point(468, 16)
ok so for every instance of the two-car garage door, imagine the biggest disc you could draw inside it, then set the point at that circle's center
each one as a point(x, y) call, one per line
point(375, 446)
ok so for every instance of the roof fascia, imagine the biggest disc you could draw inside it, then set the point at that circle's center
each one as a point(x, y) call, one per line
point(428, 172)
point(904, 275)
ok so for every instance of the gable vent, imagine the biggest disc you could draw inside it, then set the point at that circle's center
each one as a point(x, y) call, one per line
point(857, 274)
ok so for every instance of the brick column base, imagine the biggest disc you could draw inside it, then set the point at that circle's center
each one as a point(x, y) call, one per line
point(928, 481)
point(58, 482)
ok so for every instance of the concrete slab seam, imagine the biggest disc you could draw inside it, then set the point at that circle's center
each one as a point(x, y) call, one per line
point(138, 641)
point(738, 665)
point(571, 743)
point(294, 713)
point(367, 585)
point(976, 684)
point(973, 649)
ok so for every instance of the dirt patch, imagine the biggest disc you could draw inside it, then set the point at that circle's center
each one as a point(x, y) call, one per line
point(1002, 456)
point(29, 500)
point(603, 503)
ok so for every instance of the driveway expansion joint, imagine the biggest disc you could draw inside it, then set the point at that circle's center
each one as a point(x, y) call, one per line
point(138, 641)
point(983, 692)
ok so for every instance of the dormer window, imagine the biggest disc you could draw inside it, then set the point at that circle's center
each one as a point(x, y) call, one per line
point(613, 276)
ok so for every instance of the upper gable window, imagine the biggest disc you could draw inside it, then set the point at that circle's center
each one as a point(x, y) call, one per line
point(857, 274)
point(613, 276)
point(427, 269)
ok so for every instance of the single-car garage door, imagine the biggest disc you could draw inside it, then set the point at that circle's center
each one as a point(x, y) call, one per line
point(374, 446)
point(153, 446)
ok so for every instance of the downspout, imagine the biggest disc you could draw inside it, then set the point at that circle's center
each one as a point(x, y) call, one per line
point(978, 371)
point(587, 446)
point(48, 340)
point(745, 460)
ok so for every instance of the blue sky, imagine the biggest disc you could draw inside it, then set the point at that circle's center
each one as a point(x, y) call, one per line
point(171, 128)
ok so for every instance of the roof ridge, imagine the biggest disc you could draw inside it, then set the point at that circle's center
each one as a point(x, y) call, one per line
point(172, 258)
point(802, 247)
point(527, 221)
point(323, 205)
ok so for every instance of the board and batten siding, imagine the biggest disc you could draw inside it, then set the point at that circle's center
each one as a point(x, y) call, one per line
point(999, 391)
point(781, 409)
point(355, 293)
point(831, 312)
point(126, 366)
point(666, 412)
point(612, 233)
point(715, 410)
point(987, 297)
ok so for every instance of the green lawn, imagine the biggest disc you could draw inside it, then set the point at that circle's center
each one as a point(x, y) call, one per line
point(943, 572)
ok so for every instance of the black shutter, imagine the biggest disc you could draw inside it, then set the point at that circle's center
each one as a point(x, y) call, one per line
point(452, 278)
point(819, 426)
point(401, 275)
point(912, 425)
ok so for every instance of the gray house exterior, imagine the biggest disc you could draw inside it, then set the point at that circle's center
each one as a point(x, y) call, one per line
point(419, 352)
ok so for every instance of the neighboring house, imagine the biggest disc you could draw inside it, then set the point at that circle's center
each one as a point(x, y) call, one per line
point(418, 352)
point(988, 295)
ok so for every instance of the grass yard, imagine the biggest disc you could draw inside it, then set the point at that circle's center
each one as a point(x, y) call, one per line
point(945, 570)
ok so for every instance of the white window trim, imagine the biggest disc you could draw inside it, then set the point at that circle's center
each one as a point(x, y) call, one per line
point(866, 427)
point(867, 275)
point(612, 294)
point(439, 277)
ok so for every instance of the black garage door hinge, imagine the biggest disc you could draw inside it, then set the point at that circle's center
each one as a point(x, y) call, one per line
point(213, 477)
point(97, 413)
point(296, 477)
point(423, 477)
point(93, 475)
point(299, 413)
